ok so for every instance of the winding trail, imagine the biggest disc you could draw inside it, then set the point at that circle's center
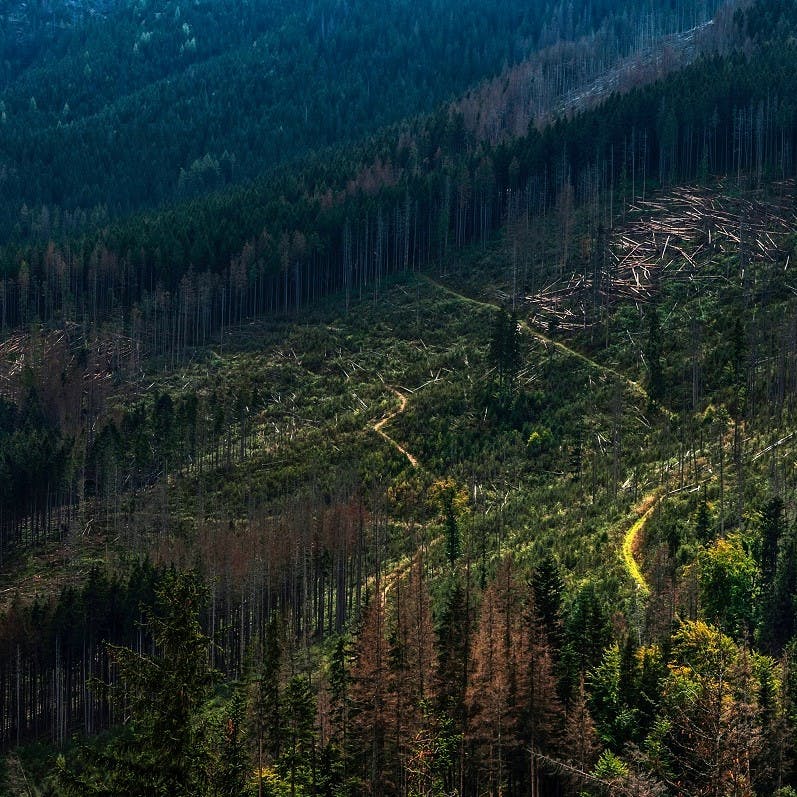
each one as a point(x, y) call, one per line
point(649, 503)
point(645, 510)
point(379, 426)
point(564, 348)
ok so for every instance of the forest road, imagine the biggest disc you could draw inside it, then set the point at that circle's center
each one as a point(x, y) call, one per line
point(635, 387)
point(650, 501)
point(379, 427)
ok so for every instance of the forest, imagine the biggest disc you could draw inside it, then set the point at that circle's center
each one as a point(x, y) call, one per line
point(210, 95)
point(446, 447)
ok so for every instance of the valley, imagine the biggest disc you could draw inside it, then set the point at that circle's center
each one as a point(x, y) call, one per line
point(452, 457)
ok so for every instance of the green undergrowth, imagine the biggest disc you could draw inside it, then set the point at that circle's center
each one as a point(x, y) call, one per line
point(543, 459)
point(553, 458)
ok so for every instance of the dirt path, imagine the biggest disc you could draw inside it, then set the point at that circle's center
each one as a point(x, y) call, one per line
point(645, 511)
point(564, 348)
point(378, 427)
point(648, 505)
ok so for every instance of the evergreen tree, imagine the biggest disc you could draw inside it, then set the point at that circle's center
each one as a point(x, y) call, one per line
point(163, 749)
point(495, 707)
point(654, 357)
point(233, 765)
point(453, 662)
point(336, 754)
point(369, 678)
point(269, 709)
point(702, 520)
point(297, 762)
point(453, 541)
point(767, 558)
point(781, 620)
point(771, 531)
point(505, 348)
point(548, 586)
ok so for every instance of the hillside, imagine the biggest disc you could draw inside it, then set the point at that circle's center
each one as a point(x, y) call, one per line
point(209, 95)
point(459, 461)
point(550, 459)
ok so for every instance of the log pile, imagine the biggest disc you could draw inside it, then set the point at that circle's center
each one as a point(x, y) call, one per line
point(98, 358)
point(675, 237)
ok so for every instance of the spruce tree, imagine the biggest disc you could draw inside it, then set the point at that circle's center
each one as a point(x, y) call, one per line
point(297, 762)
point(232, 764)
point(780, 624)
point(163, 750)
point(653, 355)
point(453, 540)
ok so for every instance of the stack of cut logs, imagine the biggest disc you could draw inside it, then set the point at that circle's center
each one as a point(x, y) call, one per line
point(672, 236)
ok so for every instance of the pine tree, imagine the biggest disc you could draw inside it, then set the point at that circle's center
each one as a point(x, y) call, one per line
point(653, 356)
point(369, 678)
point(505, 348)
point(297, 762)
point(771, 531)
point(413, 671)
point(770, 763)
point(542, 713)
point(453, 542)
point(702, 520)
point(453, 651)
point(781, 620)
point(335, 756)
point(767, 558)
point(549, 587)
point(232, 765)
point(164, 749)
point(453, 646)
point(492, 697)
point(580, 744)
point(270, 711)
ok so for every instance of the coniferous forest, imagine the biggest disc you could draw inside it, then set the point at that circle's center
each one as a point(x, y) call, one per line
point(398, 398)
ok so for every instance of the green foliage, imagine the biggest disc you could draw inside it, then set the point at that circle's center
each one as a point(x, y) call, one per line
point(230, 767)
point(453, 541)
point(548, 585)
point(587, 624)
point(771, 532)
point(707, 711)
point(610, 768)
point(605, 705)
point(271, 712)
point(297, 762)
point(163, 748)
point(780, 624)
point(729, 584)
point(505, 348)
point(702, 521)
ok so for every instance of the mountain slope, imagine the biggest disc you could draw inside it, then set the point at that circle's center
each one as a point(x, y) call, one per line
point(206, 95)
point(470, 458)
